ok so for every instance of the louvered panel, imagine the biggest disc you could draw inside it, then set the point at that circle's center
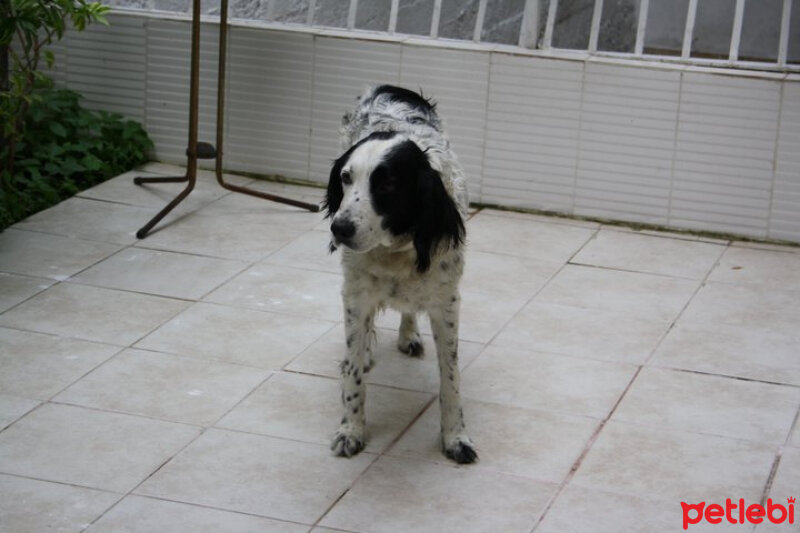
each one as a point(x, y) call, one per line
point(107, 66)
point(268, 102)
point(627, 138)
point(785, 212)
point(169, 61)
point(724, 153)
point(459, 82)
point(343, 69)
point(532, 133)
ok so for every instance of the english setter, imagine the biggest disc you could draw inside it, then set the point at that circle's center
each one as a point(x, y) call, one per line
point(397, 200)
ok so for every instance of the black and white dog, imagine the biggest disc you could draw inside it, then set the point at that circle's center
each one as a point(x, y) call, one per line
point(398, 199)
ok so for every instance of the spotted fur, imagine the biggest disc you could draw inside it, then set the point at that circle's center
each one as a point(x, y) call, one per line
point(397, 200)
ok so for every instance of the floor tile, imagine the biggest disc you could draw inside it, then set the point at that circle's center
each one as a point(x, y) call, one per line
point(89, 448)
point(646, 296)
point(136, 514)
point(308, 408)
point(259, 475)
point(581, 510)
point(522, 217)
point(785, 485)
point(744, 305)
point(241, 336)
point(713, 405)
point(406, 495)
point(28, 505)
point(592, 333)
point(523, 442)
point(161, 273)
point(536, 240)
point(273, 215)
point(645, 253)
point(168, 387)
point(230, 236)
point(392, 367)
point(780, 270)
point(505, 276)
point(122, 190)
point(48, 256)
point(309, 251)
point(755, 351)
point(93, 313)
point(16, 289)
point(39, 366)
point(679, 466)
point(12, 408)
point(682, 236)
point(284, 290)
point(545, 381)
point(787, 478)
point(93, 220)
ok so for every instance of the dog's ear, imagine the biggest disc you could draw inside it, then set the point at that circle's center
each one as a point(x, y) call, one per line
point(438, 220)
point(335, 193)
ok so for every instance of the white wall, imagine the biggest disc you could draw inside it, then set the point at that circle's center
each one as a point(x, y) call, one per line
point(663, 144)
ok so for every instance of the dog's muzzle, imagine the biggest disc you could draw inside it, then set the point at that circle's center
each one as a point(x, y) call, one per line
point(343, 231)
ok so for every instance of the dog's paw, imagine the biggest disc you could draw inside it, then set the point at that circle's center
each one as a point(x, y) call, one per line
point(411, 346)
point(348, 441)
point(460, 449)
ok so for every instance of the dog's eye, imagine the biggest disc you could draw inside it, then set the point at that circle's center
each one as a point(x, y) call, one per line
point(346, 178)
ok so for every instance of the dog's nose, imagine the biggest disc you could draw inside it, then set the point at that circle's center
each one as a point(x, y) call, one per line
point(343, 229)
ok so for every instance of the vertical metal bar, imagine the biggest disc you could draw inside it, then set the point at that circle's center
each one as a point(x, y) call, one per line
point(551, 22)
point(437, 14)
point(312, 6)
point(529, 29)
point(783, 44)
point(641, 27)
point(691, 15)
point(221, 66)
point(351, 14)
point(594, 33)
point(393, 16)
point(736, 34)
point(270, 14)
point(476, 34)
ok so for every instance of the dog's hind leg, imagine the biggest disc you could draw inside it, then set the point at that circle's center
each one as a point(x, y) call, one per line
point(351, 435)
point(455, 442)
point(409, 340)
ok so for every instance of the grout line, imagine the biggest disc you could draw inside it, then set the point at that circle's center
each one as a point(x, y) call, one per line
point(778, 457)
point(576, 465)
point(605, 420)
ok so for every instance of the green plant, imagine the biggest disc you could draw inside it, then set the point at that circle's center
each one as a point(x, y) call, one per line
point(27, 27)
point(66, 149)
point(52, 147)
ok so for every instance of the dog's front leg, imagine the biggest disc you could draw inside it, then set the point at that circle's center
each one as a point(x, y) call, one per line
point(455, 442)
point(351, 436)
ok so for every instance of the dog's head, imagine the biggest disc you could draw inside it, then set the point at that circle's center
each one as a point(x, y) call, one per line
point(384, 188)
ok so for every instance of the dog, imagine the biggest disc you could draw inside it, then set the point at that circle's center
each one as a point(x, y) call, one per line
point(397, 200)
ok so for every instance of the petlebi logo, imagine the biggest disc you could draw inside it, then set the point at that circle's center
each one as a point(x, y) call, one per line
point(738, 512)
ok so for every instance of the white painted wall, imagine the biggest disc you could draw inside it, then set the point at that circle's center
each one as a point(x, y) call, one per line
point(666, 144)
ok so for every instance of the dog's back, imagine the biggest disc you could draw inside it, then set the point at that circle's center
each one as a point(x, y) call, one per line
point(390, 108)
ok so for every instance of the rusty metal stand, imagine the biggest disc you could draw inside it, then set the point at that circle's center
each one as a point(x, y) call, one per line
point(200, 150)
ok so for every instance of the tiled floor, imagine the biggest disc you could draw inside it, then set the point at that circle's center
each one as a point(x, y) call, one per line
point(188, 382)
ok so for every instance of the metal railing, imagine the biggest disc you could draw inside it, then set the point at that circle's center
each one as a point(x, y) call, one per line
point(535, 36)
point(752, 34)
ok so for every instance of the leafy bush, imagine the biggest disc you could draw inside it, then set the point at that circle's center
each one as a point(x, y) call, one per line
point(52, 147)
point(65, 149)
